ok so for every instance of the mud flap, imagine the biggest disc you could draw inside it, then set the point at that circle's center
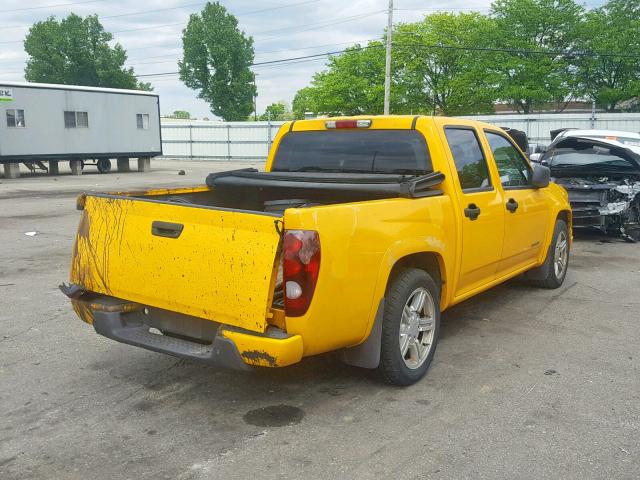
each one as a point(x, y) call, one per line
point(367, 354)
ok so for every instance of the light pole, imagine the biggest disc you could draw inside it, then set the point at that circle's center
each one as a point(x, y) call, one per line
point(387, 63)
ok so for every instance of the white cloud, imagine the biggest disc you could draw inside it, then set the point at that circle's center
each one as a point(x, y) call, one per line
point(327, 25)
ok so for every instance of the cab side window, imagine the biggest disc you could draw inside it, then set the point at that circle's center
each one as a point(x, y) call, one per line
point(468, 158)
point(513, 168)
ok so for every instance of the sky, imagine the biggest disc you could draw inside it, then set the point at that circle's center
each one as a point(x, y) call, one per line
point(151, 32)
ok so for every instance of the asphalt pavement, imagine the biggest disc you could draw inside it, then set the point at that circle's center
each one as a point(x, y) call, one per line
point(525, 384)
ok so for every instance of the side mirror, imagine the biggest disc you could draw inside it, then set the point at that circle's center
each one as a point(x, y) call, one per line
point(541, 176)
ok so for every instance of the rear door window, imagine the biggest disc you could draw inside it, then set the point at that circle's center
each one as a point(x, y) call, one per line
point(468, 158)
point(355, 151)
point(513, 168)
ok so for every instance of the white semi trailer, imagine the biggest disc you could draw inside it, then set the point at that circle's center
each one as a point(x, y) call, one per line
point(43, 124)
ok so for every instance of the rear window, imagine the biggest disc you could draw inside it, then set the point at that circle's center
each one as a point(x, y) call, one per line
point(367, 151)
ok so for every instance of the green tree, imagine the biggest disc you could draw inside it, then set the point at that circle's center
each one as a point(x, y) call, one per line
point(76, 51)
point(438, 73)
point(303, 103)
point(216, 61)
point(181, 114)
point(426, 72)
point(277, 111)
point(353, 83)
point(611, 29)
point(527, 80)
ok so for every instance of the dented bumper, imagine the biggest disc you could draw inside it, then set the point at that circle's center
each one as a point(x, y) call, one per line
point(184, 336)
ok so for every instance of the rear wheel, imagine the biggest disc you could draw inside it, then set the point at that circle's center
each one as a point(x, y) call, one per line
point(104, 165)
point(410, 327)
point(552, 272)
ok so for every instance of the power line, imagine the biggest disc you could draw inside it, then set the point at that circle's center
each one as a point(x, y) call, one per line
point(314, 26)
point(430, 46)
point(50, 6)
point(186, 5)
point(554, 53)
point(321, 26)
point(152, 27)
point(174, 57)
point(274, 62)
point(278, 8)
point(354, 42)
point(145, 12)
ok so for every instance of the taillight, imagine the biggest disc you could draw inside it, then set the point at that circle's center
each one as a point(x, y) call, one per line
point(300, 267)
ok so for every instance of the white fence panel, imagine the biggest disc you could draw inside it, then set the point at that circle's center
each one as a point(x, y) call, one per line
point(201, 140)
point(204, 140)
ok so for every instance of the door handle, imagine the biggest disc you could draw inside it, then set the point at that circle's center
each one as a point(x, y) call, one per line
point(472, 211)
point(512, 205)
point(166, 229)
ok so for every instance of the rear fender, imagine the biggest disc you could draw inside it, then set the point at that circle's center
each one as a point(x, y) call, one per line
point(367, 353)
point(432, 245)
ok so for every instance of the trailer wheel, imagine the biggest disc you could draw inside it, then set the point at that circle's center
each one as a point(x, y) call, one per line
point(104, 165)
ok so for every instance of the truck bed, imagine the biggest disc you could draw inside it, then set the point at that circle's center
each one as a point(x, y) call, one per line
point(273, 192)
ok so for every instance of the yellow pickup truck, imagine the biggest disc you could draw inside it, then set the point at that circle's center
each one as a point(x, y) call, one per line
point(359, 232)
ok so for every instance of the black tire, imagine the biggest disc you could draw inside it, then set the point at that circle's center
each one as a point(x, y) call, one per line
point(104, 165)
point(393, 367)
point(546, 275)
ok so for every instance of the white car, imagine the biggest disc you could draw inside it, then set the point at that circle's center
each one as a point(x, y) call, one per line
point(630, 140)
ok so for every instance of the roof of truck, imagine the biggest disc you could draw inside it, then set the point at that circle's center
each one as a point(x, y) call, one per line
point(81, 88)
point(405, 120)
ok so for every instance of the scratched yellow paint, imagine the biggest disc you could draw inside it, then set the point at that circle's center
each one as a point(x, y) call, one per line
point(220, 268)
point(264, 351)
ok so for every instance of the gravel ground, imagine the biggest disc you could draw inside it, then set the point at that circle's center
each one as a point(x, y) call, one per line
point(526, 383)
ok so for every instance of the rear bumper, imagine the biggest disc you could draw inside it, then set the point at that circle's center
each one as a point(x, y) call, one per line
point(185, 336)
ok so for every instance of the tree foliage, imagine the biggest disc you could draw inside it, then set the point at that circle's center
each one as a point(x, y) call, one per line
point(353, 83)
point(439, 76)
point(530, 54)
point(277, 111)
point(611, 29)
point(216, 61)
point(76, 51)
point(546, 26)
point(304, 102)
point(181, 114)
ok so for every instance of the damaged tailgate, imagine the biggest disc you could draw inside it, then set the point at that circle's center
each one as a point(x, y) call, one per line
point(210, 263)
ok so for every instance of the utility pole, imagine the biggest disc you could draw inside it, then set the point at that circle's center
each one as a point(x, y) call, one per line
point(387, 63)
point(255, 99)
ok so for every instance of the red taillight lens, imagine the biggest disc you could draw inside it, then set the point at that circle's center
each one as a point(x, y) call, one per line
point(347, 124)
point(300, 267)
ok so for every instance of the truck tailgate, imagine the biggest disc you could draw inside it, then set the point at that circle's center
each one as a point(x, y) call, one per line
point(211, 263)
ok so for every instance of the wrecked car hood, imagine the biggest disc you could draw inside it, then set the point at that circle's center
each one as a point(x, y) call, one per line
point(629, 153)
point(603, 197)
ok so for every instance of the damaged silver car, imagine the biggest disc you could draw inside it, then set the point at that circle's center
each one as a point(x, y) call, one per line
point(602, 177)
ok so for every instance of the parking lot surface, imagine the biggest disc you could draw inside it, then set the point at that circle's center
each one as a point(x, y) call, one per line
point(526, 383)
